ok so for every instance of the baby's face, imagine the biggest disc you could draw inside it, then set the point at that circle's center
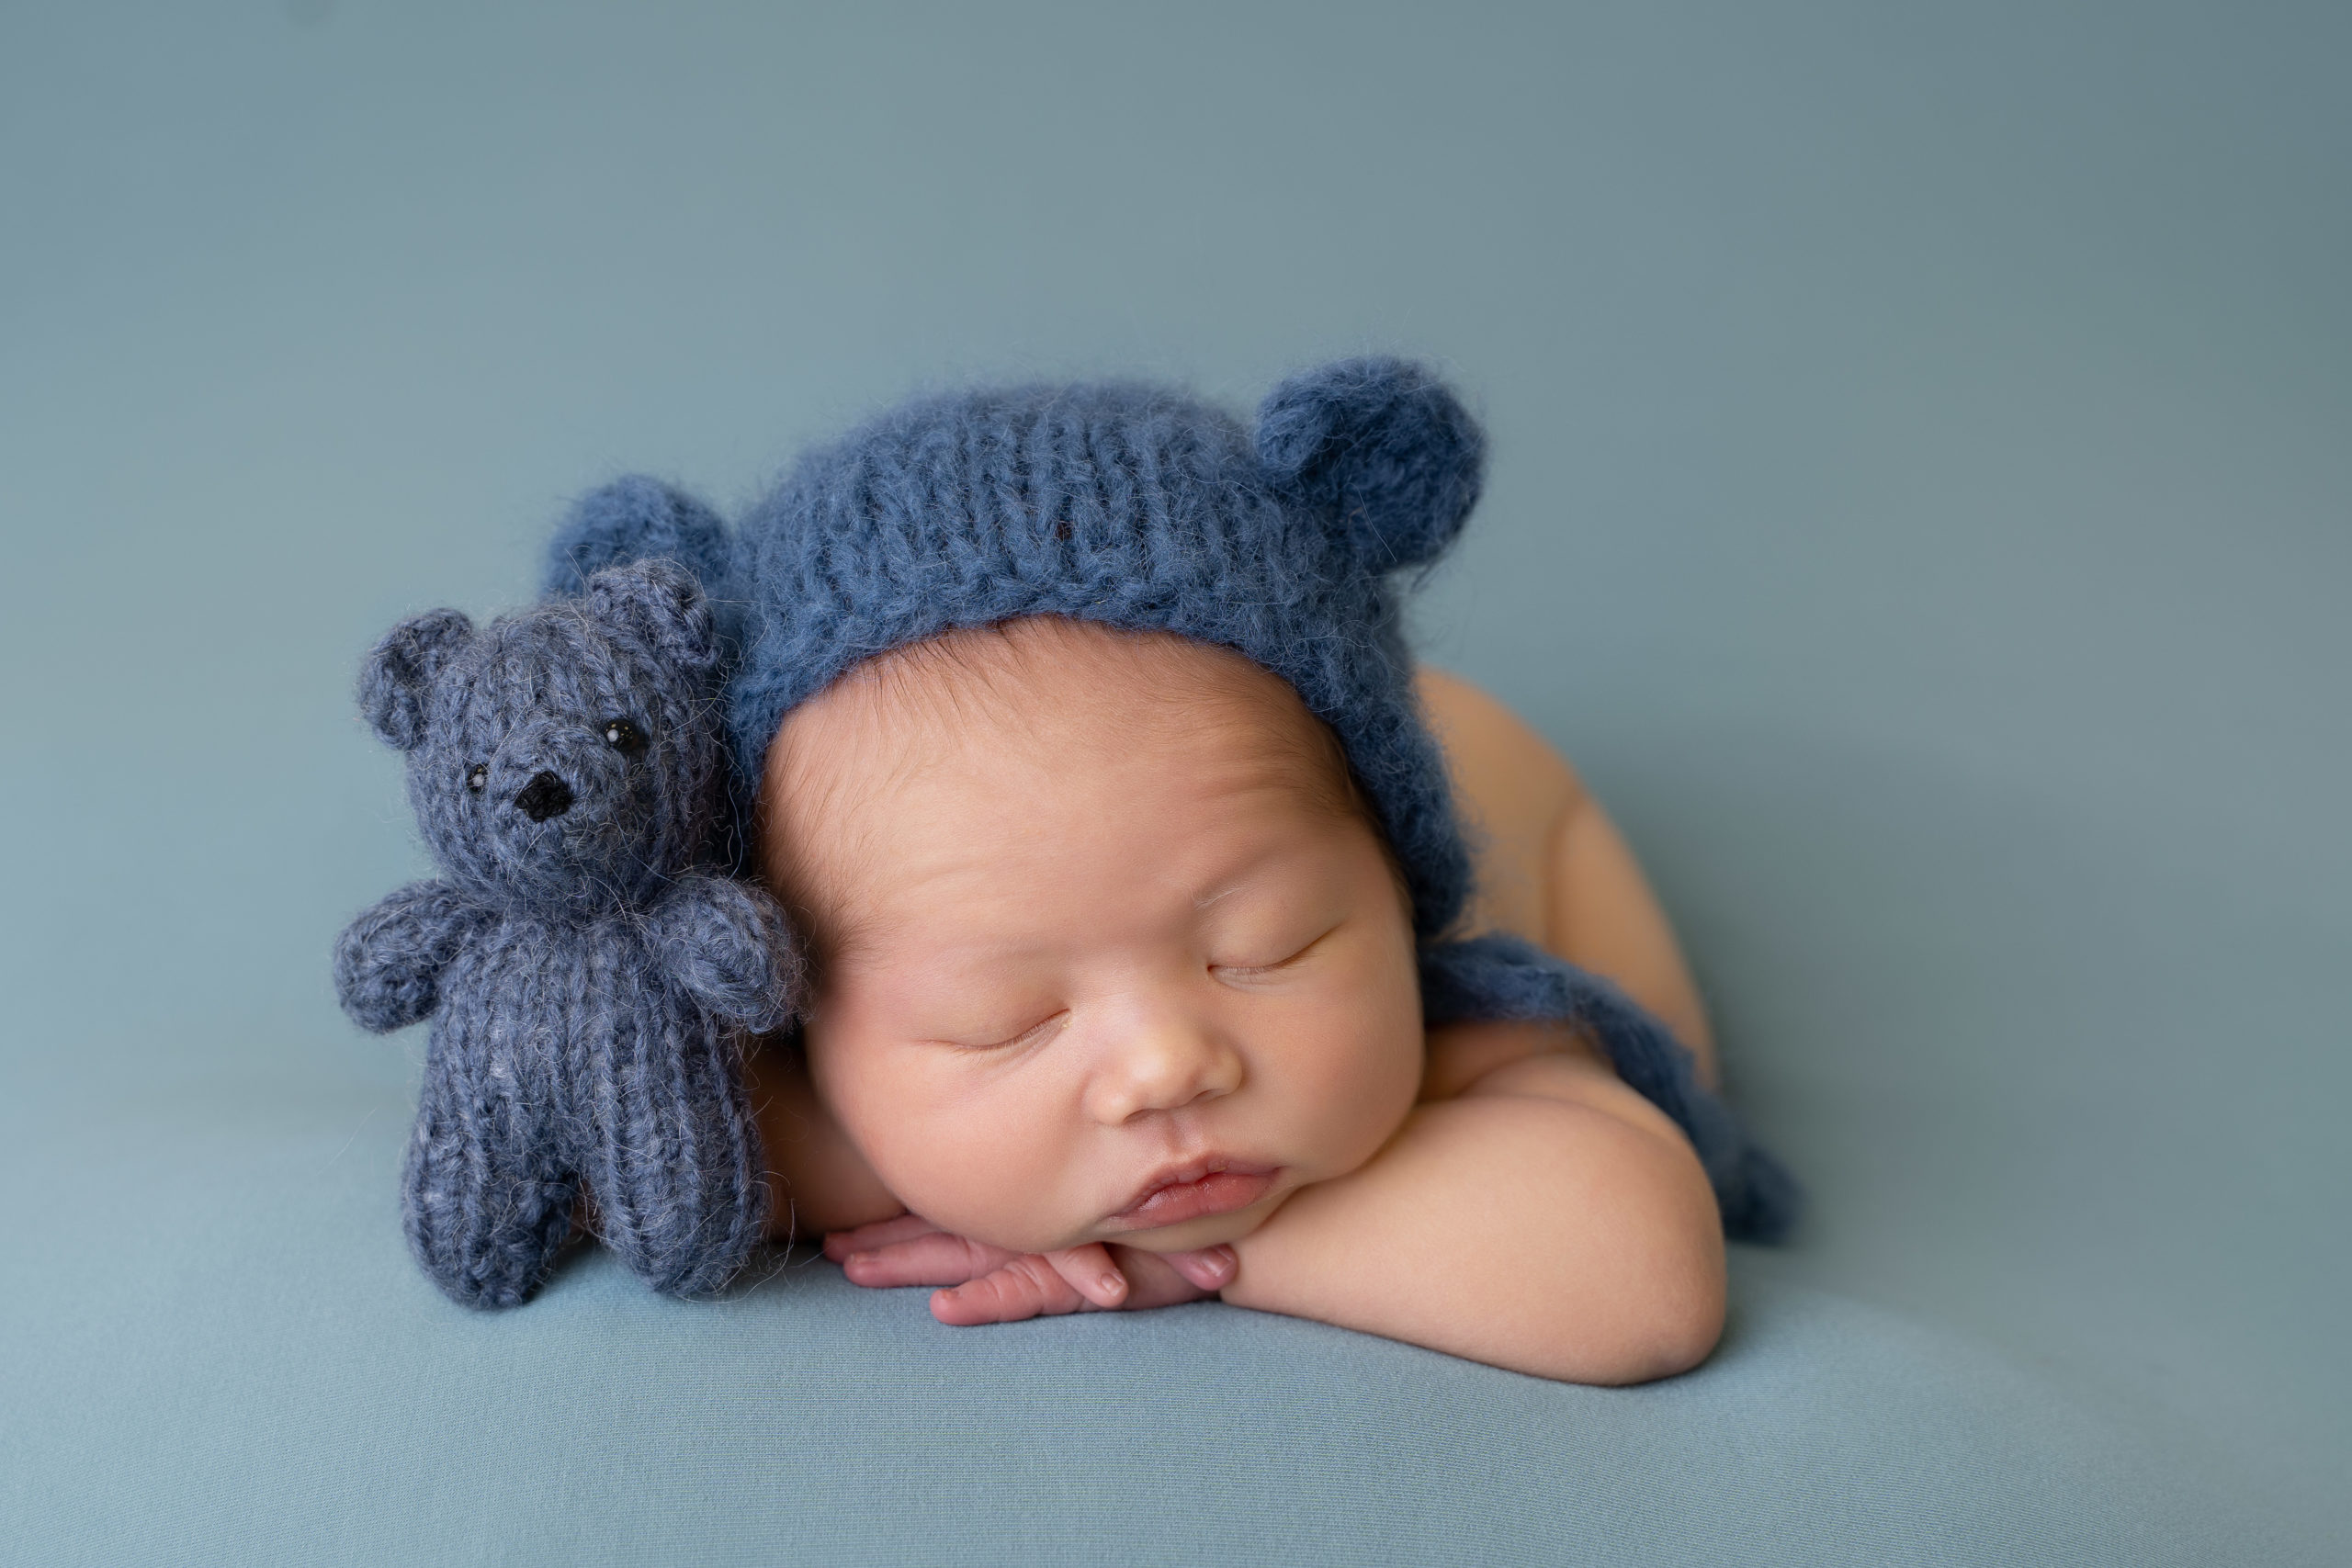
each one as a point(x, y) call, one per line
point(1102, 953)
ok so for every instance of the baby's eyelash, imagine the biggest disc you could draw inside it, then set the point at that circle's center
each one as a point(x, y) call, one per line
point(1014, 1039)
point(1277, 964)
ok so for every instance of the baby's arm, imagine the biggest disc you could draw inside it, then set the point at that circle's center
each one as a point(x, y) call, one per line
point(1545, 1218)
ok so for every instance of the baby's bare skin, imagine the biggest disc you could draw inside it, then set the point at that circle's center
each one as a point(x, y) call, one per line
point(1491, 1190)
point(1552, 867)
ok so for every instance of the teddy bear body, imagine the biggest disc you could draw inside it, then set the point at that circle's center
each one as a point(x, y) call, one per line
point(588, 979)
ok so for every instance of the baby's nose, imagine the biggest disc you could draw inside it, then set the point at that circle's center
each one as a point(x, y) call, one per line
point(1163, 1067)
point(546, 795)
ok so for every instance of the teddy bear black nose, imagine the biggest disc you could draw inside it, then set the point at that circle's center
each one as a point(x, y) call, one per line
point(546, 795)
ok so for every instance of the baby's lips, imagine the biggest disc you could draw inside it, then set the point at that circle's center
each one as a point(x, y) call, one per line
point(1216, 1186)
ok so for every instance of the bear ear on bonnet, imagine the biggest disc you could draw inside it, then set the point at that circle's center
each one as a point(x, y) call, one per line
point(634, 518)
point(399, 673)
point(1381, 450)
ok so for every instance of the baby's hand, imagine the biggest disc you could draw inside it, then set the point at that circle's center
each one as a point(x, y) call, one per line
point(991, 1285)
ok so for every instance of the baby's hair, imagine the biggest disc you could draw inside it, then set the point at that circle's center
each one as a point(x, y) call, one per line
point(961, 681)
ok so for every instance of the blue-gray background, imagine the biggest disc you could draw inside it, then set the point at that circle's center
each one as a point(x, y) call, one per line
point(1920, 505)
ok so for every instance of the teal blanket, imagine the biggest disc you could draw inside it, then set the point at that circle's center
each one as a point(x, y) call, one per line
point(1918, 505)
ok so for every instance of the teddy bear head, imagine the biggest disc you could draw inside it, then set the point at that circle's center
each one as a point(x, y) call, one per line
point(565, 757)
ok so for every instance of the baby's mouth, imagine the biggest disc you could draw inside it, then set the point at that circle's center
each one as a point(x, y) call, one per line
point(1194, 1191)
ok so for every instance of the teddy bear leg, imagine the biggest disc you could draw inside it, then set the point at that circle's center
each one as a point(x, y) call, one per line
point(486, 1196)
point(679, 1178)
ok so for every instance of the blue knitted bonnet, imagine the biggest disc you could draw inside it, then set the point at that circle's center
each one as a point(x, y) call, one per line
point(1137, 507)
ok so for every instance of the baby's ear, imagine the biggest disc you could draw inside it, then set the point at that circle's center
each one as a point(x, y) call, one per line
point(661, 602)
point(398, 673)
point(634, 518)
point(1381, 450)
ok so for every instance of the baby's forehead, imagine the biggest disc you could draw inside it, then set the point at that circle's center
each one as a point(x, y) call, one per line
point(1043, 704)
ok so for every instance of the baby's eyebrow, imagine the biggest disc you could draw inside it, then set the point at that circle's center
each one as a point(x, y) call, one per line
point(1252, 874)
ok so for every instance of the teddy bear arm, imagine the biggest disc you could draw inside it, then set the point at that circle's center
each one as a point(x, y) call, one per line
point(388, 963)
point(725, 943)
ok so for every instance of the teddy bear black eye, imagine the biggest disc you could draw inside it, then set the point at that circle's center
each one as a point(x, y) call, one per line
point(624, 737)
point(478, 777)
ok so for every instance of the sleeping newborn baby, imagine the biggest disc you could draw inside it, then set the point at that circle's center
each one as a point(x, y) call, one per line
point(1147, 958)
point(1111, 953)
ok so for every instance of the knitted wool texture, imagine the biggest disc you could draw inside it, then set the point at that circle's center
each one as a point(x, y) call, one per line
point(1137, 507)
point(588, 984)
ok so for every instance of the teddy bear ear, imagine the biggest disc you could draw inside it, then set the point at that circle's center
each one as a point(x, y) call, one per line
point(634, 518)
point(399, 673)
point(661, 602)
point(1381, 450)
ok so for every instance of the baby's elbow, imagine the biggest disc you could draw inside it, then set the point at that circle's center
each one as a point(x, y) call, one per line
point(1654, 1329)
point(1684, 1324)
point(1658, 1308)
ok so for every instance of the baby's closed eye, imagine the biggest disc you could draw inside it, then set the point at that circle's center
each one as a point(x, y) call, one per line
point(1283, 955)
point(1003, 1031)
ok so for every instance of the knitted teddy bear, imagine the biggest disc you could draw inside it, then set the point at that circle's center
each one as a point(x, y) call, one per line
point(588, 977)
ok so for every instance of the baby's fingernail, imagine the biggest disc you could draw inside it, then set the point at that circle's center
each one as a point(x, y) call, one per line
point(857, 1257)
point(1113, 1284)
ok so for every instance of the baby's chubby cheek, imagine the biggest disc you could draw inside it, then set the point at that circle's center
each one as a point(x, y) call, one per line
point(985, 1161)
point(1345, 1102)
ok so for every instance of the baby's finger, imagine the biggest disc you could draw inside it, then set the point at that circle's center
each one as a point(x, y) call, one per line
point(1155, 1280)
point(935, 1258)
point(1210, 1268)
point(882, 1232)
point(1027, 1286)
point(1090, 1272)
